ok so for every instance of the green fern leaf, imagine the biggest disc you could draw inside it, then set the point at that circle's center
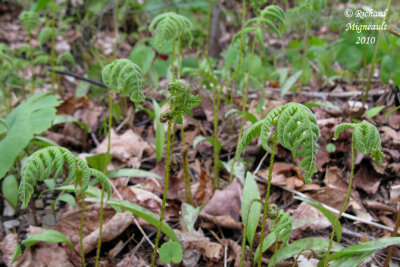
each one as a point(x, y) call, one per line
point(41, 60)
point(342, 127)
point(169, 26)
point(30, 118)
point(124, 75)
point(102, 178)
point(67, 56)
point(45, 35)
point(29, 20)
point(42, 163)
point(252, 132)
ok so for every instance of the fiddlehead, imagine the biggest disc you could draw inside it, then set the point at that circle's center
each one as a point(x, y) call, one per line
point(124, 75)
point(41, 164)
point(169, 26)
point(181, 100)
point(297, 131)
point(29, 20)
point(366, 138)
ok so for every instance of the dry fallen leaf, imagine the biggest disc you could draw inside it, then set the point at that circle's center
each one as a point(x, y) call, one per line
point(202, 189)
point(366, 178)
point(306, 211)
point(128, 148)
point(226, 202)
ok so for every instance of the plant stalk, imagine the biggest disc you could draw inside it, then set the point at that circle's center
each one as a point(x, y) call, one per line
point(153, 260)
point(52, 48)
point(31, 62)
point(394, 234)
point(271, 165)
point(353, 164)
point(186, 172)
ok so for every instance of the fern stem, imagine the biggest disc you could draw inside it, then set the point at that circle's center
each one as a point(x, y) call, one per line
point(364, 97)
point(353, 164)
point(218, 100)
point(172, 60)
point(246, 222)
point(52, 48)
point(271, 165)
point(81, 229)
point(208, 26)
point(178, 71)
point(100, 227)
point(186, 172)
point(394, 234)
point(153, 260)
point(31, 62)
point(244, 101)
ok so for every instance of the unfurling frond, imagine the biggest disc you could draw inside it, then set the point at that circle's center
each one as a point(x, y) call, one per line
point(366, 138)
point(169, 26)
point(124, 75)
point(182, 100)
point(49, 162)
point(296, 129)
point(30, 20)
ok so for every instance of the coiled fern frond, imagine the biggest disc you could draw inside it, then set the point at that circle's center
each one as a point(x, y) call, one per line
point(51, 160)
point(182, 100)
point(124, 75)
point(366, 138)
point(29, 20)
point(296, 129)
point(169, 26)
point(268, 16)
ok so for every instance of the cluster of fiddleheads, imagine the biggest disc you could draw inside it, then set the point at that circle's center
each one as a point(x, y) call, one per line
point(295, 128)
point(49, 162)
point(170, 26)
point(122, 75)
point(29, 20)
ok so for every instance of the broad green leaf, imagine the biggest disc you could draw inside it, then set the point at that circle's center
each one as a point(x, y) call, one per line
point(290, 82)
point(132, 172)
point(374, 111)
point(351, 261)
point(160, 132)
point(31, 117)
point(43, 141)
point(350, 57)
point(250, 192)
point(40, 5)
point(49, 236)
point(10, 189)
point(329, 215)
point(142, 55)
point(171, 252)
point(387, 114)
point(386, 68)
point(268, 241)
point(189, 216)
point(67, 198)
point(368, 247)
point(297, 247)
point(238, 171)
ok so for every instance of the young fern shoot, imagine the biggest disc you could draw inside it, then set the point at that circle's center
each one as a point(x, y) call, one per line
point(50, 161)
point(365, 140)
point(120, 76)
point(295, 127)
point(266, 16)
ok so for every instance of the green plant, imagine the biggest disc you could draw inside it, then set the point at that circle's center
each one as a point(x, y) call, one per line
point(296, 129)
point(265, 17)
point(30, 21)
point(124, 76)
point(30, 118)
point(50, 161)
point(365, 140)
point(181, 101)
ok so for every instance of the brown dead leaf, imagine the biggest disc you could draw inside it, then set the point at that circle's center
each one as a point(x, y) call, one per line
point(70, 104)
point(367, 179)
point(113, 228)
point(226, 202)
point(225, 221)
point(332, 197)
point(41, 254)
point(306, 211)
point(132, 260)
point(211, 250)
point(202, 189)
point(128, 148)
point(390, 135)
point(207, 107)
point(373, 204)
